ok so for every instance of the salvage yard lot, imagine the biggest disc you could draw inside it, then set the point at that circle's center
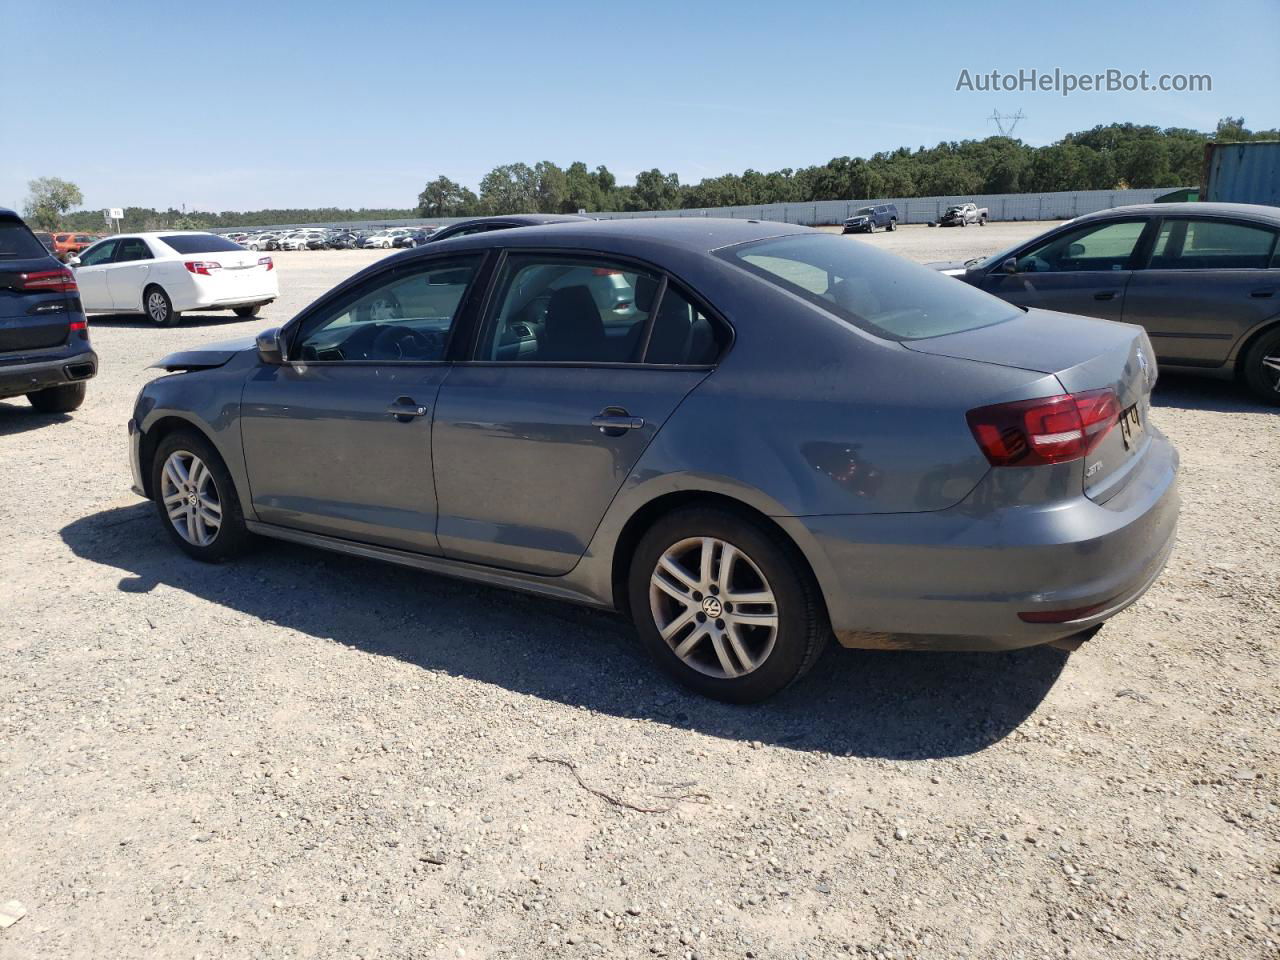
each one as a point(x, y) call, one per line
point(310, 755)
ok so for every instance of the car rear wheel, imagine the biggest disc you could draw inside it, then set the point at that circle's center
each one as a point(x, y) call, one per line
point(248, 311)
point(724, 605)
point(159, 307)
point(196, 499)
point(61, 399)
point(891, 226)
point(1261, 370)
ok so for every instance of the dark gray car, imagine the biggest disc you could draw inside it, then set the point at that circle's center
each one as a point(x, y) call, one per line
point(465, 228)
point(784, 437)
point(1202, 278)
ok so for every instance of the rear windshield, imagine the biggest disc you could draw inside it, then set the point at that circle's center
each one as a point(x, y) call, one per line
point(200, 243)
point(879, 292)
point(19, 243)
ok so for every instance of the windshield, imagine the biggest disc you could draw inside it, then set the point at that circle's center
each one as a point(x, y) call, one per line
point(876, 291)
point(866, 210)
point(200, 243)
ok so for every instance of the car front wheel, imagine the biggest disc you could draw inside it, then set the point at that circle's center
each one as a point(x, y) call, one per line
point(725, 605)
point(196, 498)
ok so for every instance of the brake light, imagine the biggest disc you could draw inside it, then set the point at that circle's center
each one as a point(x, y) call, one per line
point(1028, 433)
point(61, 280)
point(203, 267)
point(266, 262)
point(77, 325)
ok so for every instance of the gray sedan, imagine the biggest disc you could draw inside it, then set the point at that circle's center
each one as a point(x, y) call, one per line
point(778, 438)
point(1202, 278)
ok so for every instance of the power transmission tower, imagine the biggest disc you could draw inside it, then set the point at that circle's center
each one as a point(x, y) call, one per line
point(1010, 118)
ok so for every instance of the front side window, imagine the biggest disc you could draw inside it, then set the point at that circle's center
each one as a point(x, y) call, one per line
point(1211, 245)
point(132, 248)
point(404, 316)
point(876, 291)
point(566, 310)
point(1107, 246)
point(99, 254)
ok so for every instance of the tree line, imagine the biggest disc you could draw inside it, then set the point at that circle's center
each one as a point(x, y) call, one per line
point(1114, 156)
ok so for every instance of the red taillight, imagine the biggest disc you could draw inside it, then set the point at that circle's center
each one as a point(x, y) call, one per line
point(61, 280)
point(266, 262)
point(1027, 433)
point(1063, 616)
point(77, 325)
point(203, 267)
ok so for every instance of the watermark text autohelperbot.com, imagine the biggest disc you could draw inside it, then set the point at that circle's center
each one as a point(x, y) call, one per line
point(1066, 83)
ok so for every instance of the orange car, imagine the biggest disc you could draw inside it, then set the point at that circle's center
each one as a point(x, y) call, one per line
point(64, 243)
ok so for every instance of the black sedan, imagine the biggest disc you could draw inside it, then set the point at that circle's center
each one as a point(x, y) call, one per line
point(484, 224)
point(1202, 278)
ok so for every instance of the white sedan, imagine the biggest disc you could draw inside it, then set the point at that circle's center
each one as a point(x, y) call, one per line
point(165, 274)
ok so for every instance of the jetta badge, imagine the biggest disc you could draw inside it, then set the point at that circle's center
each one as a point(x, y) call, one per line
point(1142, 362)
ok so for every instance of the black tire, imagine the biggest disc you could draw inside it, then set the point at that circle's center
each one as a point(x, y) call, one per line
point(247, 312)
point(232, 537)
point(61, 399)
point(1263, 381)
point(982, 221)
point(891, 226)
point(802, 626)
point(158, 307)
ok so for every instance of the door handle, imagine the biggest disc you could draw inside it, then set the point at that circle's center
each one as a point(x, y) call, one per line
point(406, 408)
point(1105, 295)
point(1268, 292)
point(615, 421)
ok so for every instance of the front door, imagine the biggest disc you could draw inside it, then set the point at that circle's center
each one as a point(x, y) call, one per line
point(1208, 283)
point(1084, 271)
point(534, 438)
point(91, 276)
point(337, 440)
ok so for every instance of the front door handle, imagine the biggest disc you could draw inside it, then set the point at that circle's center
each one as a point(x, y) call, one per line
point(406, 408)
point(615, 421)
point(1265, 292)
point(1105, 295)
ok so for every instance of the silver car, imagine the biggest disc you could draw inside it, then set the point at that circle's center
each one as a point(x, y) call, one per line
point(786, 438)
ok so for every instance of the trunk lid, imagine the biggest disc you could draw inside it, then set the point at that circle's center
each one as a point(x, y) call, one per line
point(29, 319)
point(1084, 354)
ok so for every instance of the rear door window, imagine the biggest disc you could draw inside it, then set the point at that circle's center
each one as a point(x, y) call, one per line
point(19, 243)
point(1211, 245)
point(132, 248)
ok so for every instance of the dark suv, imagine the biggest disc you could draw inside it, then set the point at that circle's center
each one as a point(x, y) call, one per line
point(44, 339)
point(866, 219)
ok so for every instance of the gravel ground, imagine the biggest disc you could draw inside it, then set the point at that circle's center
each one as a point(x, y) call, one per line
point(305, 755)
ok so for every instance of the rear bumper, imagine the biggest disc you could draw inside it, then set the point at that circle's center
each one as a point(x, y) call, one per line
point(51, 371)
point(958, 579)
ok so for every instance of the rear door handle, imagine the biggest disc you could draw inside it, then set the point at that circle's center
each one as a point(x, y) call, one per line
point(406, 408)
point(1268, 292)
point(615, 421)
point(1105, 294)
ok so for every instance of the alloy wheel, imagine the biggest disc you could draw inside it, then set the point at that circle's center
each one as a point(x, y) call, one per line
point(1271, 370)
point(713, 607)
point(190, 498)
point(157, 308)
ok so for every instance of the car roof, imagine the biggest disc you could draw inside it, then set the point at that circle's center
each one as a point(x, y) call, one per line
point(1240, 211)
point(690, 233)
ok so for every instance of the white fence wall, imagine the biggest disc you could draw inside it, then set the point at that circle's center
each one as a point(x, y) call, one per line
point(1002, 206)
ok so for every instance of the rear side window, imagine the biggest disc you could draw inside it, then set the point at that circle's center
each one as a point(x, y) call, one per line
point(876, 291)
point(683, 334)
point(1211, 245)
point(19, 243)
point(200, 243)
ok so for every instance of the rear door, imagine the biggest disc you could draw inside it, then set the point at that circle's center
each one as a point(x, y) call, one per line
point(30, 319)
point(91, 276)
point(338, 440)
point(1084, 270)
point(128, 273)
point(535, 435)
point(1208, 282)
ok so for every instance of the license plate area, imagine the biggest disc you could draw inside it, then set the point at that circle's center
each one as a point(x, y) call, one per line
point(1131, 427)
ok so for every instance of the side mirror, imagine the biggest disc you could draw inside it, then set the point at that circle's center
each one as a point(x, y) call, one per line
point(271, 346)
point(1010, 266)
point(73, 261)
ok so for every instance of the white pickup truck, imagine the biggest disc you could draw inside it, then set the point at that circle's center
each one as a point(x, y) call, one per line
point(963, 214)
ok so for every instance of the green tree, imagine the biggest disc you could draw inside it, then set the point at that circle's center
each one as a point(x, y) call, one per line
point(511, 188)
point(442, 197)
point(48, 198)
point(552, 187)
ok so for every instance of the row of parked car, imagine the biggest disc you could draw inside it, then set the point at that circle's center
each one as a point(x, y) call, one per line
point(327, 239)
point(524, 376)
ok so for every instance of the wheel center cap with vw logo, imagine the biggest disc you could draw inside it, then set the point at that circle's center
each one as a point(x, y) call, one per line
point(712, 607)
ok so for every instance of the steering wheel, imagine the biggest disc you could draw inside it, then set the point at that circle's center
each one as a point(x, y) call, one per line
point(405, 343)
